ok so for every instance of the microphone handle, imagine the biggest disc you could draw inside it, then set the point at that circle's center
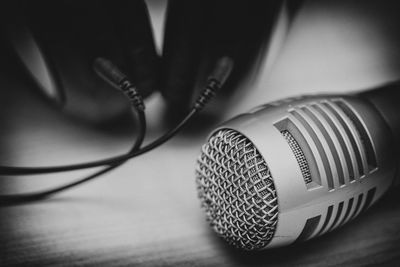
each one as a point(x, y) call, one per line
point(386, 100)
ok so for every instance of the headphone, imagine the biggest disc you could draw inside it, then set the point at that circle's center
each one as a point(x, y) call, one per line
point(224, 41)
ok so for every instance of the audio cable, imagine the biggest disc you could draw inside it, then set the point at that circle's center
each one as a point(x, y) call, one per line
point(110, 73)
point(102, 67)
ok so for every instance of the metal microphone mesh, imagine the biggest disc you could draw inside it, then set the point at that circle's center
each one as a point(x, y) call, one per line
point(237, 191)
point(299, 154)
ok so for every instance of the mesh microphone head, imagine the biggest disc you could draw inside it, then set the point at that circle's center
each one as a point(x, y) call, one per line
point(237, 190)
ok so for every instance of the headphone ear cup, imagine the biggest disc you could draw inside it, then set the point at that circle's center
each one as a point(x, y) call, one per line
point(58, 41)
point(30, 54)
point(198, 33)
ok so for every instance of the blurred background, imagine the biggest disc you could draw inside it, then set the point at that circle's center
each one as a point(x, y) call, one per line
point(146, 212)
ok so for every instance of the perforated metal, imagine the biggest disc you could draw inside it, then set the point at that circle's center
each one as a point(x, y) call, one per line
point(299, 154)
point(237, 191)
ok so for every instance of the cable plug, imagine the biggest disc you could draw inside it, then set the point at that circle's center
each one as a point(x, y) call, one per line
point(112, 75)
point(216, 80)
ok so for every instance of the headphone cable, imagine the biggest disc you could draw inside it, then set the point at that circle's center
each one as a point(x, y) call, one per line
point(24, 197)
point(216, 80)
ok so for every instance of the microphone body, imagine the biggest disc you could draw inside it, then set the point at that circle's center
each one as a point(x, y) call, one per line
point(387, 101)
point(298, 168)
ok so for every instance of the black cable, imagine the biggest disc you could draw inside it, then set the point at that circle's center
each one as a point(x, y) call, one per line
point(5, 170)
point(217, 79)
point(111, 74)
point(12, 198)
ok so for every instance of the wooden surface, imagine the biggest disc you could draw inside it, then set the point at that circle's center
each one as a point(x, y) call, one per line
point(146, 212)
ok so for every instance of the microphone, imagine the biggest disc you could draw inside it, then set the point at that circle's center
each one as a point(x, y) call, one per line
point(298, 168)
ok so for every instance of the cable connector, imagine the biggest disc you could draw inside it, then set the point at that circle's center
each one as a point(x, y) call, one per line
point(111, 74)
point(130, 91)
point(216, 80)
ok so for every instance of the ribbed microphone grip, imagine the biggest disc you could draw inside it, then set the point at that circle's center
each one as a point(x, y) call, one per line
point(386, 100)
point(108, 71)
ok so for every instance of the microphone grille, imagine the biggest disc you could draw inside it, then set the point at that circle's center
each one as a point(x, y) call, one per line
point(236, 190)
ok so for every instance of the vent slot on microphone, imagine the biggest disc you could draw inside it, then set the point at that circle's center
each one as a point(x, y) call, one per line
point(363, 203)
point(370, 198)
point(309, 228)
point(330, 142)
point(339, 216)
point(362, 133)
point(358, 205)
point(348, 210)
point(327, 219)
